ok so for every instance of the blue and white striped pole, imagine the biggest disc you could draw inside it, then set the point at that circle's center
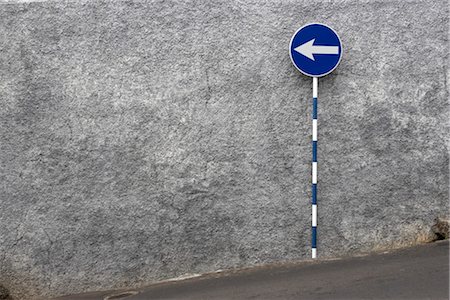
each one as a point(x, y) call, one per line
point(314, 172)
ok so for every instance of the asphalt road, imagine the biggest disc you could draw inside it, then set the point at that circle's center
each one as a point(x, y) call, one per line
point(420, 272)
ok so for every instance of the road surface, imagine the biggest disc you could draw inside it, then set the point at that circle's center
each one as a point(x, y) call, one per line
point(420, 272)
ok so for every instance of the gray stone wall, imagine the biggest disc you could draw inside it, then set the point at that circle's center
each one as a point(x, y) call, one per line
point(142, 140)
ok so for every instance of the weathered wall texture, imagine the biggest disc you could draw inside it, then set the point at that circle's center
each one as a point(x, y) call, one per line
point(141, 140)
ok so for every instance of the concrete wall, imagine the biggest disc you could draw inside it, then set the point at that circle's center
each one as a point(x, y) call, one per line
point(141, 140)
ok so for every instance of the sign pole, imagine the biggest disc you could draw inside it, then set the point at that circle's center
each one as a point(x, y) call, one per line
point(314, 172)
point(315, 50)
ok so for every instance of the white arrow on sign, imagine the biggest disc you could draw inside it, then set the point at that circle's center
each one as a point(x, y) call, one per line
point(308, 49)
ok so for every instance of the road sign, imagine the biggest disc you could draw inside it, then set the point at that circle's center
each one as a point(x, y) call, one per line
point(315, 50)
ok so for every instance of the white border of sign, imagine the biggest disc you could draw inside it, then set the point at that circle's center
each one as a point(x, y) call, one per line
point(340, 56)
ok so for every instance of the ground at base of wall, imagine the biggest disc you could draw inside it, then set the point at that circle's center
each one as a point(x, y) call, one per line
point(440, 230)
point(384, 275)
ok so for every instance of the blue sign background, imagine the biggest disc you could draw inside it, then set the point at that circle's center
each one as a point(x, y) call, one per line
point(323, 63)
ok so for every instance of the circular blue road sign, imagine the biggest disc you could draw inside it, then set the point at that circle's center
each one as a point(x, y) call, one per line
point(315, 50)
